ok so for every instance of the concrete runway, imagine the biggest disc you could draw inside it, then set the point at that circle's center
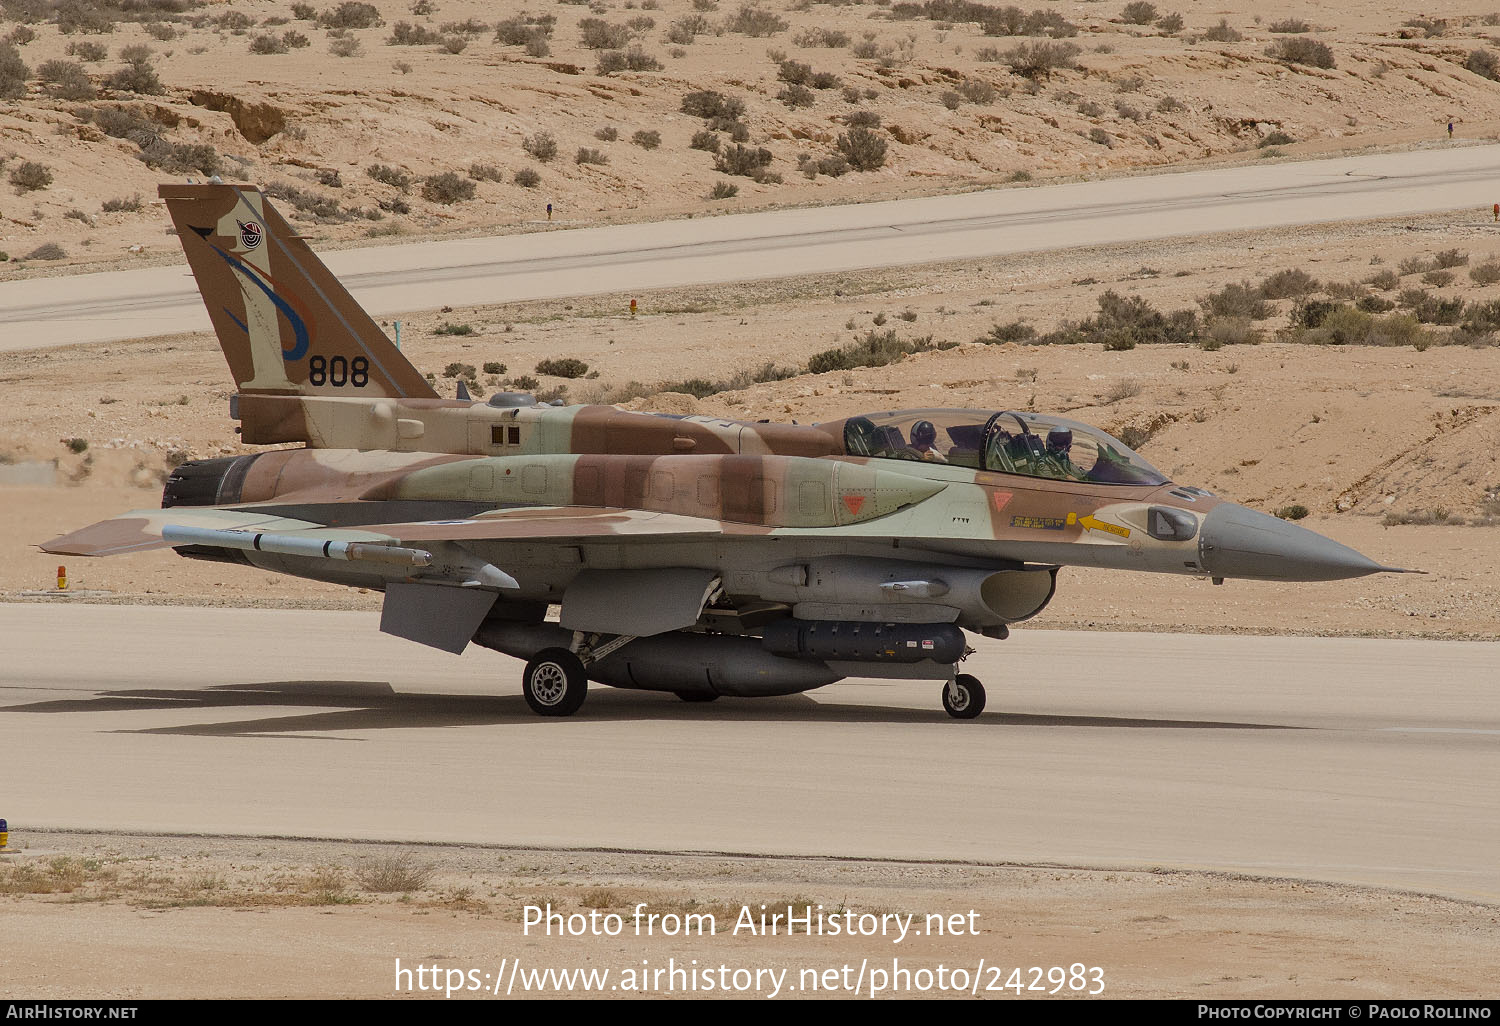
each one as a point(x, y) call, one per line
point(1366, 761)
point(46, 312)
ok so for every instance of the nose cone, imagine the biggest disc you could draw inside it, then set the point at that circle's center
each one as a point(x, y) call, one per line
point(1239, 542)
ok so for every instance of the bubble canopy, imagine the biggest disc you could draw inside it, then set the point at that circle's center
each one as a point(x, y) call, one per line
point(1004, 441)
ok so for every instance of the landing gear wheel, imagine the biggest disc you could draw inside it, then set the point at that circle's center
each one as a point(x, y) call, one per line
point(697, 696)
point(964, 698)
point(555, 683)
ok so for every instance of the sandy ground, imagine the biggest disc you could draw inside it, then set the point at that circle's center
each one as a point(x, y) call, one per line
point(952, 113)
point(129, 916)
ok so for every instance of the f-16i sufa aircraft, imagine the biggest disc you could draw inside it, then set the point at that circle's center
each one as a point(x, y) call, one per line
point(694, 555)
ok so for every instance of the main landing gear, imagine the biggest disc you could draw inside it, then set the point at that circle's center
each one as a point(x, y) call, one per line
point(556, 680)
point(555, 683)
point(963, 697)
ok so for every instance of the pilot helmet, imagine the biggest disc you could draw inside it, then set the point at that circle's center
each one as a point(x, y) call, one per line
point(923, 434)
point(1059, 440)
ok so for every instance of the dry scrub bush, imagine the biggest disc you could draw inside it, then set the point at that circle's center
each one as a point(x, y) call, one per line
point(743, 161)
point(1484, 63)
point(391, 874)
point(350, 15)
point(447, 188)
point(565, 367)
point(388, 175)
point(179, 158)
point(404, 33)
point(1297, 50)
point(1237, 300)
point(541, 146)
point(863, 148)
point(598, 34)
point(29, 176)
point(1487, 273)
point(876, 349)
point(1222, 33)
point(707, 103)
point(685, 30)
point(47, 251)
point(812, 37)
point(66, 80)
point(1292, 283)
point(755, 22)
point(632, 59)
point(796, 96)
point(87, 51)
point(1040, 60)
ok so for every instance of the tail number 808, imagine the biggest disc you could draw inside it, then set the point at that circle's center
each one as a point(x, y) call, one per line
point(338, 371)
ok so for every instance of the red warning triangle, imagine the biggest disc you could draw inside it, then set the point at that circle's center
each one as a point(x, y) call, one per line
point(854, 503)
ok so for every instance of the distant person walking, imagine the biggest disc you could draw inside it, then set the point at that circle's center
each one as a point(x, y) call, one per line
point(1450, 130)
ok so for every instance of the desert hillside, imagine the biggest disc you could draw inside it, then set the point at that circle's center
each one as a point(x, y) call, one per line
point(402, 118)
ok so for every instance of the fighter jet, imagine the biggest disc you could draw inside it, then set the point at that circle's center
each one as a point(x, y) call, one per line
point(695, 555)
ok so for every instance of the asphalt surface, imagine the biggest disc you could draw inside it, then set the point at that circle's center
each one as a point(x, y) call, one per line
point(1351, 760)
point(580, 261)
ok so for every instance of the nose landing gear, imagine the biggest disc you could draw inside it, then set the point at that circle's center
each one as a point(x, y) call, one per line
point(963, 697)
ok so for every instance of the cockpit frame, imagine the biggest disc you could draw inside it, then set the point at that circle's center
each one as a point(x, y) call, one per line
point(1000, 441)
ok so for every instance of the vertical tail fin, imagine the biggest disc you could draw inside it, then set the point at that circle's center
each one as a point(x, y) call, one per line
point(286, 325)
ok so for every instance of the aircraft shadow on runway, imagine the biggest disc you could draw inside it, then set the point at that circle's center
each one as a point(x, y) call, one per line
point(375, 705)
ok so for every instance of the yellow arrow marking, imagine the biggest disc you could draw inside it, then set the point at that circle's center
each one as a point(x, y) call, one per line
point(1091, 524)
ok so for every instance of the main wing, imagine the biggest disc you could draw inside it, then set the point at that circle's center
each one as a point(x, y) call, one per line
point(142, 530)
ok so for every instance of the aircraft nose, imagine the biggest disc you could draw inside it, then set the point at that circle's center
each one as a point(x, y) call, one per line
point(1239, 542)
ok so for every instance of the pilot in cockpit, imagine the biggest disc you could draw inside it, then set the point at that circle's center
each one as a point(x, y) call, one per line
point(924, 441)
point(1058, 461)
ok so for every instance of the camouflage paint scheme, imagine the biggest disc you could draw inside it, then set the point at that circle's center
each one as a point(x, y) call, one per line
point(689, 554)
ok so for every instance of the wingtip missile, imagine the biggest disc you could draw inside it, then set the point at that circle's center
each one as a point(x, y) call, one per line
point(290, 545)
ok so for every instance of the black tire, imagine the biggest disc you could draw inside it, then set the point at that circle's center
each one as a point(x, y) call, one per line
point(697, 696)
point(970, 701)
point(555, 683)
